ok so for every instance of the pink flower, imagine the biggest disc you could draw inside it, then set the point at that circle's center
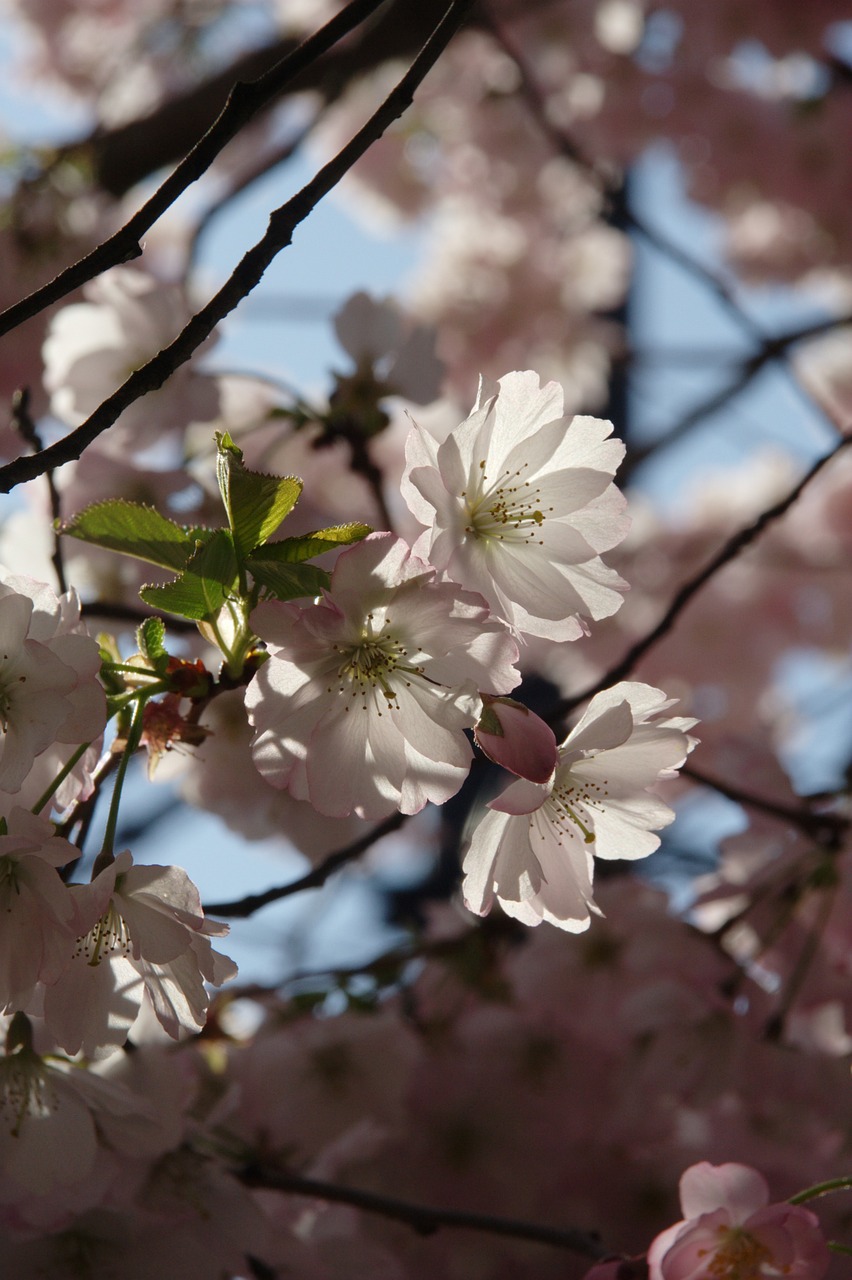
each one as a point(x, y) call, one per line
point(92, 347)
point(534, 849)
point(391, 357)
point(139, 930)
point(731, 1232)
point(363, 703)
point(35, 905)
point(518, 504)
point(49, 690)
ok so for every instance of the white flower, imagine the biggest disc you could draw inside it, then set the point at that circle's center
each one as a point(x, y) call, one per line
point(49, 691)
point(92, 347)
point(56, 1120)
point(534, 850)
point(363, 703)
point(139, 929)
point(35, 907)
point(392, 357)
point(520, 503)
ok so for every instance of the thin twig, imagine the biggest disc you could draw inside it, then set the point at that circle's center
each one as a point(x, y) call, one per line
point(775, 1025)
point(424, 1219)
point(242, 907)
point(26, 428)
point(823, 827)
point(248, 272)
point(245, 101)
point(731, 549)
point(269, 161)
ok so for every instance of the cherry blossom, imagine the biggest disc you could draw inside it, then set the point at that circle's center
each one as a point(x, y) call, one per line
point(37, 910)
point(50, 1108)
point(390, 357)
point(49, 690)
point(92, 347)
point(534, 850)
point(363, 703)
point(140, 929)
point(731, 1230)
point(519, 505)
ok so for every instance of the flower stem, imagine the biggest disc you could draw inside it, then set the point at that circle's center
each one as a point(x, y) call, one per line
point(60, 777)
point(134, 736)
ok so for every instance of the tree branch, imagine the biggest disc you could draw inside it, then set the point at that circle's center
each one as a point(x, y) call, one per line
point(244, 101)
point(731, 549)
point(825, 828)
point(246, 275)
point(421, 1218)
point(242, 907)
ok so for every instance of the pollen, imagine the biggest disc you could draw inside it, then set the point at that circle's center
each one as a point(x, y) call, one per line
point(107, 937)
point(739, 1257)
point(510, 510)
point(370, 667)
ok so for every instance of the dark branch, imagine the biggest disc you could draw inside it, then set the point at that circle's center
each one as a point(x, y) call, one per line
point(732, 548)
point(246, 275)
point(422, 1219)
point(242, 907)
point(824, 827)
point(244, 102)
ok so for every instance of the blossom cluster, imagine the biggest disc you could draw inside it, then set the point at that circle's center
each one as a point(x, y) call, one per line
point(364, 700)
point(359, 602)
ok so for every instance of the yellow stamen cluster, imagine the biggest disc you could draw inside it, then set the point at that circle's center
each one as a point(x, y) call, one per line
point(109, 935)
point(509, 510)
point(568, 799)
point(369, 664)
point(739, 1257)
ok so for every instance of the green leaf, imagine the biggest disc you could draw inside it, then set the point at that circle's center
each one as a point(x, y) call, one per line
point(286, 581)
point(201, 590)
point(256, 503)
point(292, 550)
point(150, 636)
point(136, 530)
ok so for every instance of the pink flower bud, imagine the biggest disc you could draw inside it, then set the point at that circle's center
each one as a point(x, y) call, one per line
point(513, 736)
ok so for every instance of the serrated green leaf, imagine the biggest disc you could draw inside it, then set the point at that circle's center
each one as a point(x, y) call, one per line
point(203, 587)
point(256, 503)
point(150, 636)
point(292, 550)
point(136, 530)
point(286, 581)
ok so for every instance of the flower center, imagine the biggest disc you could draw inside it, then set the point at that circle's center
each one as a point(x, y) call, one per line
point(9, 886)
point(739, 1257)
point(569, 802)
point(7, 691)
point(508, 510)
point(368, 666)
point(25, 1089)
point(108, 935)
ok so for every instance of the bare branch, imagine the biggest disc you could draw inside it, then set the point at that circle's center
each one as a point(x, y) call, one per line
point(244, 102)
point(242, 907)
point(248, 272)
point(424, 1219)
point(731, 549)
point(825, 828)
